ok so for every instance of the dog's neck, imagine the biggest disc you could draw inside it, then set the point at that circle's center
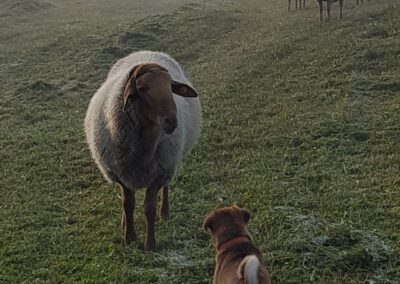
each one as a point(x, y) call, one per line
point(232, 242)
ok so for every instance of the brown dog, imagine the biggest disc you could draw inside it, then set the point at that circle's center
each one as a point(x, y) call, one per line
point(238, 260)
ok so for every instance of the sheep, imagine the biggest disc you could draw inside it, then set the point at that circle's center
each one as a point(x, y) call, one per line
point(328, 8)
point(290, 1)
point(139, 125)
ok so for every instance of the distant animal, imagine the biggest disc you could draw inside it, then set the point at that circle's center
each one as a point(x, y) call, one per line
point(290, 1)
point(328, 8)
point(139, 124)
point(238, 260)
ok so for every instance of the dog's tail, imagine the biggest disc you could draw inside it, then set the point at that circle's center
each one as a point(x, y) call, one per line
point(249, 269)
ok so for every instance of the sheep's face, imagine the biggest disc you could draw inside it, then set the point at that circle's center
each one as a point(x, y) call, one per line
point(155, 101)
point(148, 93)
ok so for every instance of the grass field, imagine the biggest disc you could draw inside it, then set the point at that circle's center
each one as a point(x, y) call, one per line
point(301, 126)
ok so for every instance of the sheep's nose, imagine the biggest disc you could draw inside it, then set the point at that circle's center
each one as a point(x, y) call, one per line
point(170, 124)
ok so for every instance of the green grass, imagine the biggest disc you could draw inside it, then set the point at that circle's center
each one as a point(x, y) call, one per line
point(301, 126)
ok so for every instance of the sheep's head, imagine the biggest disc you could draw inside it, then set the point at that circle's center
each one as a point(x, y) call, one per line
point(148, 93)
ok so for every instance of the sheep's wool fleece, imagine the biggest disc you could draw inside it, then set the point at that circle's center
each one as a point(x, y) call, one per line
point(112, 134)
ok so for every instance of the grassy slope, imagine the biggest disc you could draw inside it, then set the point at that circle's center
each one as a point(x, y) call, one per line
point(300, 126)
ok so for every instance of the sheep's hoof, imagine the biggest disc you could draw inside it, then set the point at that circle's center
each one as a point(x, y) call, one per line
point(150, 246)
point(164, 216)
point(129, 234)
point(129, 238)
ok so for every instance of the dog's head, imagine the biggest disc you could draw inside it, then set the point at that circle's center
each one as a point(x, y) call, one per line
point(227, 223)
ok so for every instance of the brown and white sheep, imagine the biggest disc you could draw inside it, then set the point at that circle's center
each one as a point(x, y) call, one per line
point(290, 1)
point(139, 124)
point(328, 8)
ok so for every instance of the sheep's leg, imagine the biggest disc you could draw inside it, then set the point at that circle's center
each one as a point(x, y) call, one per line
point(328, 9)
point(128, 203)
point(304, 4)
point(164, 210)
point(320, 10)
point(289, 1)
point(341, 8)
point(150, 213)
point(295, 3)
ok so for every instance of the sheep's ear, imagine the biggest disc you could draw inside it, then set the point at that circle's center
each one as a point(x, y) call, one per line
point(183, 90)
point(130, 92)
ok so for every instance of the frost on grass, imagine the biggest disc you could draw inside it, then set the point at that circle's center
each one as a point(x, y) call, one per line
point(165, 267)
point(22, 7)
point(322, 246)
point(173, 258)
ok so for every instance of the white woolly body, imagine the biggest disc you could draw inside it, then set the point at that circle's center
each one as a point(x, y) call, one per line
point(249, 269)
point(112, 134)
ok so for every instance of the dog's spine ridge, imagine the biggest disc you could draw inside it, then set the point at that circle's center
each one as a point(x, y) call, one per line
point(248, 269)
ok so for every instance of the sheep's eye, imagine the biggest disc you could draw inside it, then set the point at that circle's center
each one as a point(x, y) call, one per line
point(146, 103)
point(142, 88)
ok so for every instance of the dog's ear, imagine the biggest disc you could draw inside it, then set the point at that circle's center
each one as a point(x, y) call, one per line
point(208, 224)
point(246, 215)
point(183, 90)
point(130, 92)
